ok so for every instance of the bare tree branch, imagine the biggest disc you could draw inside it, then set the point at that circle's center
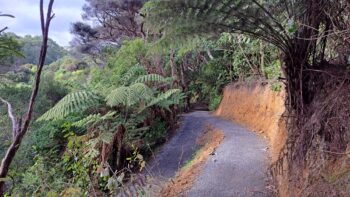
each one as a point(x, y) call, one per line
point(12, 117)
point(3, 29)
point(22, 129)
point(7, 15)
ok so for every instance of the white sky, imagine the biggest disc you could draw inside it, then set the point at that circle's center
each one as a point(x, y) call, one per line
point(27, 19)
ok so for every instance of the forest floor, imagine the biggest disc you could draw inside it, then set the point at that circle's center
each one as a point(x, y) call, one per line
point(233, 163)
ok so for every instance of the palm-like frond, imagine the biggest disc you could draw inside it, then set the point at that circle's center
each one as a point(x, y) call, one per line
point(118, 96)
point(129, 96)
point(151, 78)
point(94, 119)
point(180, 20)
point(132, 74)
point(164, 99)
point(73, 102)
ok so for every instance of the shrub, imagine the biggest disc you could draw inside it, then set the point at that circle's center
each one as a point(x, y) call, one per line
point(215, 102)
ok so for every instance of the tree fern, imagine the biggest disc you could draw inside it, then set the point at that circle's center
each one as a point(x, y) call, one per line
point(74, 102)
point(129, 96)
point(180, 20)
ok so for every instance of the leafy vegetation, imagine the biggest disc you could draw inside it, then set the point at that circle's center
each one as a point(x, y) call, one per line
point(108, 101)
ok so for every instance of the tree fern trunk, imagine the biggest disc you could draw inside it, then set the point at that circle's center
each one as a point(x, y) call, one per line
point(173, 69)
point(121, 130)
point(117, 146)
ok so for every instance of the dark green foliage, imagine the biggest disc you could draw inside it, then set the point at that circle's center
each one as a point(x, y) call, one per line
point(9, 51)
point(16, 51)
point(156, 133)
point(180, 19)
point(43, 177)
point(215, 102)
point(31, 50)
point(116, 20)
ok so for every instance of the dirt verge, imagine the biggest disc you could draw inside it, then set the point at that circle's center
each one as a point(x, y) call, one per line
point(257, 107)
point(185, 178)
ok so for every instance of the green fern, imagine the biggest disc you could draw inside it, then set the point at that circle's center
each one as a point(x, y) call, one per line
point(151, 78)
point(175, 99)
point(129, 96)
point(163, 100)
point(183, 20)
point(132, 73)
point(94, 119)
point(74, 102)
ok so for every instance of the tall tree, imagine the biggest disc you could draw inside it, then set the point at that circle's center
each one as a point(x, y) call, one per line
point(113, 21)
point(19, 127)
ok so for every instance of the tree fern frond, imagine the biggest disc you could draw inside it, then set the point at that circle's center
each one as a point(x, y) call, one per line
point(133, 73)
point(88, 120)
point(129, 96)
point(93, 119)
point(175, 99)
point(73, 102)
point(118, 96)
point(180, 20)
point(139, 92)
point(151, 78)
point(162, 98)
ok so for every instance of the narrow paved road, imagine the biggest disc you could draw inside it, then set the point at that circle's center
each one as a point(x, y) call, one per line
point(238, 167)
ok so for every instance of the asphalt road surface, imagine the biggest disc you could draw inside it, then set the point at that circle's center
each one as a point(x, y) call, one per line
point(236, 169)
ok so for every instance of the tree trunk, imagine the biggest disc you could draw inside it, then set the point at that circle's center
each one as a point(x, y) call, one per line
point(173, 69)
point(121, 133)
point(262, 60)
point(184, 87)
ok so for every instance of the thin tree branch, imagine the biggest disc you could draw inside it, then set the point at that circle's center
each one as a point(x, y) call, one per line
point(3, 29)
point(12, 117)
point(22, 130)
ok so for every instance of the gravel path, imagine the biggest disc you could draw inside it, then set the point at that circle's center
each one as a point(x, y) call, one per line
point(238, 167)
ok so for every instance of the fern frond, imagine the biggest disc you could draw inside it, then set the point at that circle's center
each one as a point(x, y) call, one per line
point(151, 78)
point(133, 73)
point(93, 119)
point(183, 20)
point(73, 102)
point(129, 96)
point(175, 99)
point(118, 96)
point(138, 92)
point(88, 120)
point(162, 98)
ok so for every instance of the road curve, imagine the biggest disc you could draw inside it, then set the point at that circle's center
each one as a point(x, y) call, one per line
point(238, 167)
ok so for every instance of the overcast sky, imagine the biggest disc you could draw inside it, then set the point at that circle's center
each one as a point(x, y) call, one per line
point(27, 18)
